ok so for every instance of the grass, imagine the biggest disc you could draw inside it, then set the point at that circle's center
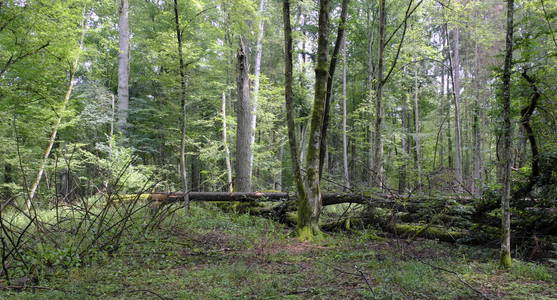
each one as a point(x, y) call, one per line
point(210, 254)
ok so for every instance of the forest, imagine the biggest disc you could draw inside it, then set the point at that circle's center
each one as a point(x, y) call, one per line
point(278, 149)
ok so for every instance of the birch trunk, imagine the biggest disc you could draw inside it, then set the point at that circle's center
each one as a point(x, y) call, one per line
point(344, 119)
point(225, 144)
point(369, 85)
point(257, 75)
point(123, 65)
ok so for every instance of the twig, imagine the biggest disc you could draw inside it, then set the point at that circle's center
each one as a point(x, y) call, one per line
point(457, 275)
point(359, 274)
point(365, 278)
point(149, 292)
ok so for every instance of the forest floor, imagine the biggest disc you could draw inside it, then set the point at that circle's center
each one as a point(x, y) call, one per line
point(217, 255)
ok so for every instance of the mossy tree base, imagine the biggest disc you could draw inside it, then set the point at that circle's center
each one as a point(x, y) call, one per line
point(506, 260)
point(309, 233)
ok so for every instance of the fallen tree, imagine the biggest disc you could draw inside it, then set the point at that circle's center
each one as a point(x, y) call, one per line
point(453, 218)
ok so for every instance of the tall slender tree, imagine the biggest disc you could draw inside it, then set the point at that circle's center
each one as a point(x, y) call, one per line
point(506, 162)
point(303, 207)
point(312, 164)
point(377, 176)
point(225, 144)
point(183, 108)
point(257, 71)
point(244, 154)
point(123, 65)
point(455, 64)
point(345, 116)
point(417, 128)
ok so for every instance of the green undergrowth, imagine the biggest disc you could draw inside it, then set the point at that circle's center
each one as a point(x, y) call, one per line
point(210, 254)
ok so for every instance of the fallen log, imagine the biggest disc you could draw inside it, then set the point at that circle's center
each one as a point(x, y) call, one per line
point(327, 198)
point(220, 196)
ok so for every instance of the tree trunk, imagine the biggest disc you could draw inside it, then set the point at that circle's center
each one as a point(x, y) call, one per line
point(195, 174)
point(183, 165)
point(225, 144)
point(404, 141)
point(442, 116)
point(417, 128)
point(278, 177)
point(377, 176)
point(123, 65)
point(344, 119)
point(244, 154)
point(257, 75)
point(477, 158)
point(455, 64)
point(288, 97)
point(329, 95)
point(369, 86)
point(67, 96)
point(308, 216)
point(505, 180)
point(449, 91)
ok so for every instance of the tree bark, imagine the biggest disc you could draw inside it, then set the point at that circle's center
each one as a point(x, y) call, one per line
point(404, 143)
point(377, 176)
point(183, 86)
point(289, 102)
point(308, 216)
point(477, 134)
point(183, 165)
point(329, 95)
point(417, 129)
point(123, 65)
point(344, 118)
point(369, 85)
point(225, 145)
point(456, 97)
point(257, 75)
point(244, 153)
point(449, 92)
point(505, 180)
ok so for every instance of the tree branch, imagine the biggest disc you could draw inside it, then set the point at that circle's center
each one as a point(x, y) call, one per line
point(408, 14)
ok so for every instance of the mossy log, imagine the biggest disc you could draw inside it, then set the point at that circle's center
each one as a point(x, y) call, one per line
point(457, 211)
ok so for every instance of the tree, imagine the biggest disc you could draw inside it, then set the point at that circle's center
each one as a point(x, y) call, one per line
point(329, 95)
point(225, 144)
point(456, 88)
point(506, 162)
point(123, 64)
point(183, 112)
point(344, 118)
point(257, 72)
point(303, 207)
point(377, 176)
point(244, 154)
